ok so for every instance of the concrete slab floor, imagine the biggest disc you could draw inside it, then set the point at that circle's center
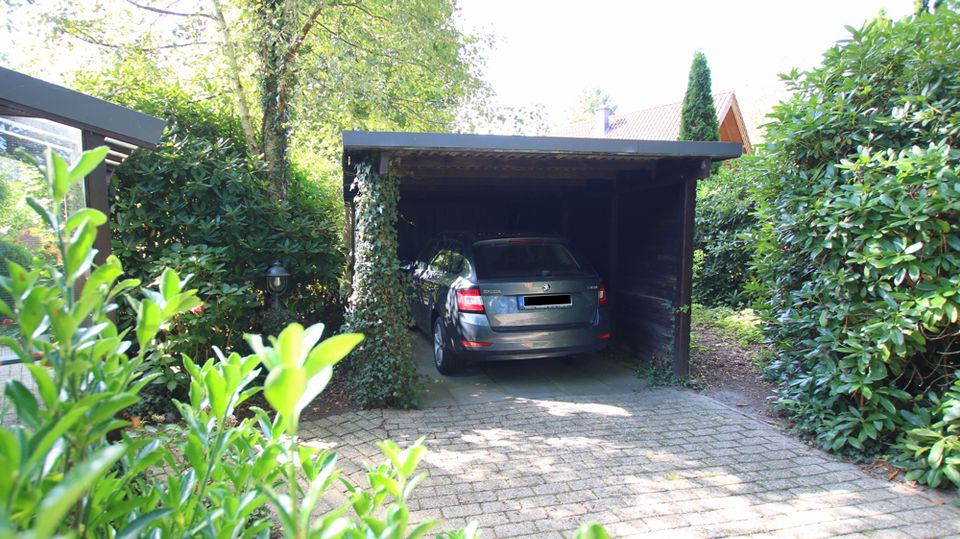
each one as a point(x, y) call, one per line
point(491, 381)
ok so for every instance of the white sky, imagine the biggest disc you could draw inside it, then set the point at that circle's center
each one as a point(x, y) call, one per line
point(639, 51)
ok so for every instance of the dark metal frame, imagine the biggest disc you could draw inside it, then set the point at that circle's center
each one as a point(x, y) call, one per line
point(683, 162)
point(100, 122)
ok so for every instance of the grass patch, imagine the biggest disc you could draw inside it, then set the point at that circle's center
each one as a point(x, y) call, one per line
point(742, 325)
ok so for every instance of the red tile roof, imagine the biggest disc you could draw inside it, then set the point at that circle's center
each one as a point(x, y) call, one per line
point(657, 123)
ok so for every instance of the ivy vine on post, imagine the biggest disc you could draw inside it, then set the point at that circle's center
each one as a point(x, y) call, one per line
point(382, 371)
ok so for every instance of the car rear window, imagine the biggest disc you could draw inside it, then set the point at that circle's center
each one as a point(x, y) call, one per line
point(524, 258)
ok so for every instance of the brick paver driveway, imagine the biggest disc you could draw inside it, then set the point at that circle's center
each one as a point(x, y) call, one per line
point(650, 462)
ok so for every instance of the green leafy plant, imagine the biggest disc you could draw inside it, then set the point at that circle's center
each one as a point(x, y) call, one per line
point(859, 245)
point(382, 370)
point(726, 224)
point(930, 451)
point(659, 373)
point(60, 447)
point(71, 467)
point(198, 205)
point(209, 477)
point(14, 252)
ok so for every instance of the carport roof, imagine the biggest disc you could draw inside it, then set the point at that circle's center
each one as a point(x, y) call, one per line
point(445, 144)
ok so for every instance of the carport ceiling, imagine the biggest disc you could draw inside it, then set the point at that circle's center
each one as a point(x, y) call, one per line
point(434, 159)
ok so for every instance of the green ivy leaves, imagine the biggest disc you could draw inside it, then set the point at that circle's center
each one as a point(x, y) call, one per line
point(382, 371)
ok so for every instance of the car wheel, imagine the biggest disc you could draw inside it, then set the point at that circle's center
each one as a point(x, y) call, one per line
point(444, 359)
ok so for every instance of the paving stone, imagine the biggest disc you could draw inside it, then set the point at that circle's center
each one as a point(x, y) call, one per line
point(647, 463)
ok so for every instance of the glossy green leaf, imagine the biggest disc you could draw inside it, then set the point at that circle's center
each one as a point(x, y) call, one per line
point(92, 216)
point(87, 163)
point(139, 524)
point(148, 322)
point(24, 402)
point(76, 482)
point(283, 388)
point(58, 175)
point(330, 351)
point(290, 346)
point(169, 284)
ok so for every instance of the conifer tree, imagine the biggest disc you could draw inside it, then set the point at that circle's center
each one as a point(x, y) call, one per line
point(698, 118)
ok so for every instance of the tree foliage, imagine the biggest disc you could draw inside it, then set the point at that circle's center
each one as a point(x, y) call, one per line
point(296, 72)
point(725, 226)
point(861, 252)
point(197, 204)
point(382, 368)
point(588, 101)
point(698, 117)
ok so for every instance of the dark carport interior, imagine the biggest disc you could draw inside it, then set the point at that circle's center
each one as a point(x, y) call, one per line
point(627, 205)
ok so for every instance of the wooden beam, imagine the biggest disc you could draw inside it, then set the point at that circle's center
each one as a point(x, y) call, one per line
point(349, 239)
point(384, 164)
point(460, 183)
point(513, 167)
point(98, 196)
point(683, 301)
point(513, 176)
point(613, 227)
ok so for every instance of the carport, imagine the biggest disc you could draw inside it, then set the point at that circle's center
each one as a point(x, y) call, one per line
point(628, 205)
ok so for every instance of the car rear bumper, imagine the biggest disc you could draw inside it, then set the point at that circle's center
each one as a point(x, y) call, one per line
point(539, 343)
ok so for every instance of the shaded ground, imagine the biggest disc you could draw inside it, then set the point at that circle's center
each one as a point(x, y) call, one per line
point(727, 369)
point(335, 399)
point(595, 374)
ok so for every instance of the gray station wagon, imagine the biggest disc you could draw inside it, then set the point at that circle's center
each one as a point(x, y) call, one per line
point(506, 297)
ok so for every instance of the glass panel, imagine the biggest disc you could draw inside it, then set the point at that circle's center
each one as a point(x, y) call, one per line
point(524, 259)
point(23, 238)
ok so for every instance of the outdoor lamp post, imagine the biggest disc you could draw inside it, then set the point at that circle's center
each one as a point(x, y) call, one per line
point(277, 277)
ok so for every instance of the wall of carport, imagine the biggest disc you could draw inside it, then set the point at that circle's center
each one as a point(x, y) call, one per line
point(630, 210)
point(631, 229)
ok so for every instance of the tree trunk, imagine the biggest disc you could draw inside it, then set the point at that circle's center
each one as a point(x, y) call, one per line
point(229, 50)
point(274, 135)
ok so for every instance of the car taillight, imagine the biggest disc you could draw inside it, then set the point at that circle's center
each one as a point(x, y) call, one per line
point(604, 335)
point(469, 300)
point(602, 295)
point(475, 344)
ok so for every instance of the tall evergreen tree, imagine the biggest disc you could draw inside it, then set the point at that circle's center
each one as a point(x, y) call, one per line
point(698, 119)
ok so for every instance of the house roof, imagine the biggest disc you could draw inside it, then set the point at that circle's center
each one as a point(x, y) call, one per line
point(123, 129)
point(657, 123)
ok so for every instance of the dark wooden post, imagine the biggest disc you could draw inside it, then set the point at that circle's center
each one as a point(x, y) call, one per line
point(98, 196)
point(683, 304)
point(614, 249)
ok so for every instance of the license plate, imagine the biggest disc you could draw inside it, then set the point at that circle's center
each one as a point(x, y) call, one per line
point(545, 301)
